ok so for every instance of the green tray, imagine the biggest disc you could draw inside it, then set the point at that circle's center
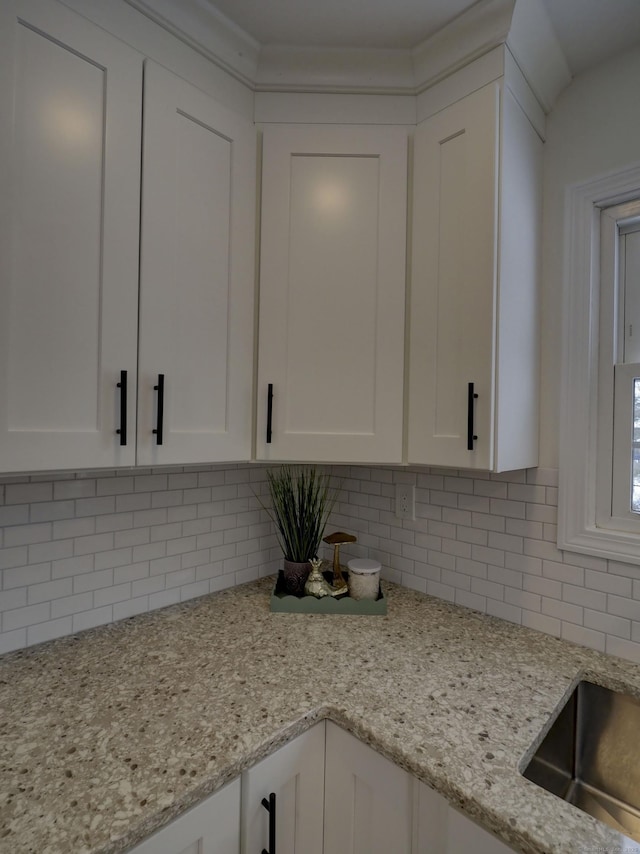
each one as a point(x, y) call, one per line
point(283, 603)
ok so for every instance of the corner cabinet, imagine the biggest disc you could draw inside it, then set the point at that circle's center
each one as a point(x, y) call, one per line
point(474, 330)
point(325, 792)
point(332, 293)
point(374, 807)
point(77, 385)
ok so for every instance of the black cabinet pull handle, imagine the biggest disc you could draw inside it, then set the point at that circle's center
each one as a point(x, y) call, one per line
point(269, 412)
point(270, 806)
point(471, 397)
point(160, 411)
point(122, 430)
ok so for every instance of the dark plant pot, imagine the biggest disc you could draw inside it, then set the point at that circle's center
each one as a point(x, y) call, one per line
point(295, 576)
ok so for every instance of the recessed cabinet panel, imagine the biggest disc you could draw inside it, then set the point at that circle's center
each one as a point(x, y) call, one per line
point(453, 287)
point(197, 275)
point(332, 280)
point(333, 241)
point(70, 163)
point(368, 800)
point(295, 775)
point(58, 196)
point(199, 312)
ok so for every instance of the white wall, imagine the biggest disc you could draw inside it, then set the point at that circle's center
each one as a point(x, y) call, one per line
point(593, 129)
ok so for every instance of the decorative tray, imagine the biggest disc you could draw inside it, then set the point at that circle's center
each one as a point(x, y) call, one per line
point(284, 603)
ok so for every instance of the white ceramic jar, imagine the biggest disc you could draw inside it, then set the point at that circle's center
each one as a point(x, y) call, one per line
point(364, 578)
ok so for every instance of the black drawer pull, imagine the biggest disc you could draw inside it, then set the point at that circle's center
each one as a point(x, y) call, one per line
point(270, 806)
point(471, 397)
point(160, 411)
point(122, 430)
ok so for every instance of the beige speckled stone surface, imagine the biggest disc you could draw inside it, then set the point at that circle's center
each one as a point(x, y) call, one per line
point(106, 736)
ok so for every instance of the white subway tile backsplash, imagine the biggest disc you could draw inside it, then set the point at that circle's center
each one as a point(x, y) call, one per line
point(69, 528)
point(21, 576)
point(41, 632)
point(541, 623)
point(92, 580)
point(22, 617)
point(624, 648)
point(583, 636)
point(16, 597)
point(74, 489)
point(71, 566)
point(82, 550)
point(25, 493)
point(95, 617)
point(13, 557)
point(71, 605)
point(49, 590)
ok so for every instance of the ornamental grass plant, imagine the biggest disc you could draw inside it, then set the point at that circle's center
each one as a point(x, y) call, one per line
point(302, 499)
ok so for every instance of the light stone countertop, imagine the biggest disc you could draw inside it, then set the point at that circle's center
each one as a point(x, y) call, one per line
point(107, 735)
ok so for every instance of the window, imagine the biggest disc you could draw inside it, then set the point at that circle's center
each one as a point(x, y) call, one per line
point(599, 500)
point(618, 481)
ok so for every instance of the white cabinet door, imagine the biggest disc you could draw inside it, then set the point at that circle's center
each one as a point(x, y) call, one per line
point(453, 283)
point(332, 293)
point(211, 827)
point(369, 801)
point(196, 275)
point(474, 329)
point(70, 98)
point(441, 829)
point(295, 774)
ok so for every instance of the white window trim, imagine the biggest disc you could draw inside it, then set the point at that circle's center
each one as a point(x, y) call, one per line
point(577, 530)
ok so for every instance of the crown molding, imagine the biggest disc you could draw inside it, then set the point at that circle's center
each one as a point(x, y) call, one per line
point(354, 70)
point(469, 36)
point(536, 49)
point(522, 25)
point(198, 24)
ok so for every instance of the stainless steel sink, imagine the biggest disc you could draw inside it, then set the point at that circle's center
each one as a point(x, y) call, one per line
point(591, 757)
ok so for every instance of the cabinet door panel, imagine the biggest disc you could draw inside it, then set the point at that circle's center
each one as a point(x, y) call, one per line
point(368, 799)
point(211, 827)
point(69, 245)
point(197, 274)
point(332, 293)
point(453, 287)
point(295, 773)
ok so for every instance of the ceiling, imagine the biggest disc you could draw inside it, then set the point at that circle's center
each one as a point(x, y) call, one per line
point(589, 31)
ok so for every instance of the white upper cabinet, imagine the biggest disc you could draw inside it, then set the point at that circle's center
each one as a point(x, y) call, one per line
point(70, 97)
point(73, 373)
point(473, 366)
point(332, 293)
point(196, 276)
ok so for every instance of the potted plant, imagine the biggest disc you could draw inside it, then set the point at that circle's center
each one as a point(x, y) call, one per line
point(301, 500)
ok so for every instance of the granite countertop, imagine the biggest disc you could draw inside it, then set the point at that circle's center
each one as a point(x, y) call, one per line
point(107, 735)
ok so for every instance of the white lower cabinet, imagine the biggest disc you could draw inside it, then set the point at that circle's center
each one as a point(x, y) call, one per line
point(368, 800)
point(374, 807)
point(441, 829)
point(295, 775)
point(211, 827)
point(333, 795)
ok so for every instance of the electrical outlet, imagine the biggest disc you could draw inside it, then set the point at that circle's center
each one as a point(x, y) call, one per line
point(405, 501)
